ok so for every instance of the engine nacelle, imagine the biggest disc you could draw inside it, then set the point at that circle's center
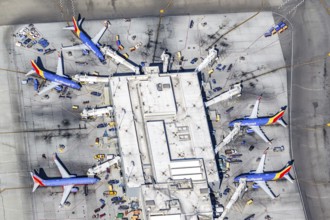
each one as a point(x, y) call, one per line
point(249, 131)
point(255, 186)
point(74, 189)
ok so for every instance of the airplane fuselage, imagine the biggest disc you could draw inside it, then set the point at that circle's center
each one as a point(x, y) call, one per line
point(89, 43)
point(251, 177)
point(70, 181)
point(59, 79)
point(251, 121)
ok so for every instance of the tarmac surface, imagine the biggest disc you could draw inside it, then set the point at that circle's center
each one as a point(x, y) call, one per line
point(60, 124)
point(308, 125)
point(310, 105)
point(39, 11)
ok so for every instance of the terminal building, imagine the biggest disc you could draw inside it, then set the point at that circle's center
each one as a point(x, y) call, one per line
point(167, 157)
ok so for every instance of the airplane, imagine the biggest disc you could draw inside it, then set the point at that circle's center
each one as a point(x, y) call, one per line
point(87, 42)
point(67, 181)
point(259, 177)
point(57, 79)
point(254, 122)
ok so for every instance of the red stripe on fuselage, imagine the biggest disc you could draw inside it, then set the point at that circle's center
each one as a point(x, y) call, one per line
point(38, 181)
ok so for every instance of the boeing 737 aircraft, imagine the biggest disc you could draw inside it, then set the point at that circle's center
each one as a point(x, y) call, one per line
point(56, 79)
point(88, 43)
point(253, 121)
point(259, 177)
point(67, 181)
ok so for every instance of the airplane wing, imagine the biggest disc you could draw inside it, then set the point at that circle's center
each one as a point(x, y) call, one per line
point(97, 37)
point(66, 193)
point(260, 168)
point(254, 113)
point(59, 70)
point(76, 47)
point(259, 132)
point(51, 85)
point(62, 170)
point(263, 186)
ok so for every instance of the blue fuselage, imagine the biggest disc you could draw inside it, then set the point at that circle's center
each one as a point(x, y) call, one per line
point(89, 43)
point(251, 177)
point(70, 181)
point(250, 121)
point(60, 79)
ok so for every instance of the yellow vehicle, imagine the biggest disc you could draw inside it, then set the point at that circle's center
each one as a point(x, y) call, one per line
point(249, 202)
point(109, 193)
point(110, 187)
point(211, 71)
point(112, 124)
point(217, 119)
point(75, 107)
point(179, 55)
point(99, 156)
point(126, 55)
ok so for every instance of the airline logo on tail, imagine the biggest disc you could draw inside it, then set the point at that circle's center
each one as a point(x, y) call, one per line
point(37, 181)
point(37, 69)
point(275, 118)
point(283, 172)
point(76, 28)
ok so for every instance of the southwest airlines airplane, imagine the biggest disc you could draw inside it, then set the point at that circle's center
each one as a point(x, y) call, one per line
point(57, 79)
point(67, 181)
point(259, 177)
point(254, 122)
point(87, 42)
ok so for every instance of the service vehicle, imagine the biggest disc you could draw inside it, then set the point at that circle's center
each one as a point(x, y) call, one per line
point(102, 125)
point(123, 207)
point(116, 199)
point(95, 93)
point(99, 156)
point(75, 107)
point(249, 202)
point(113, 181)
point(109, 193)
point(217, 89)
point(191, 24)
point(230, 151)
point(210, 71)
point(194, 60)
point(278, 149)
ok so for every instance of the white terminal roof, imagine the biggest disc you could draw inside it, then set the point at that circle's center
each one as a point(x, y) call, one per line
point(162, 124)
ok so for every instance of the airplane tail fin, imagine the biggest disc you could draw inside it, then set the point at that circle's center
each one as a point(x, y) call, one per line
point(37, 181)
point(277, 118)
point(37, 66)
point(285, 171)
point(80, 20)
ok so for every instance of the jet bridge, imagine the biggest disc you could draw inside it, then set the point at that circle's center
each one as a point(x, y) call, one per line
point(102, 167)
point(119, 59)
point(229, 137)
point(233, 199)
point(235, 91)
point(212, 54)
